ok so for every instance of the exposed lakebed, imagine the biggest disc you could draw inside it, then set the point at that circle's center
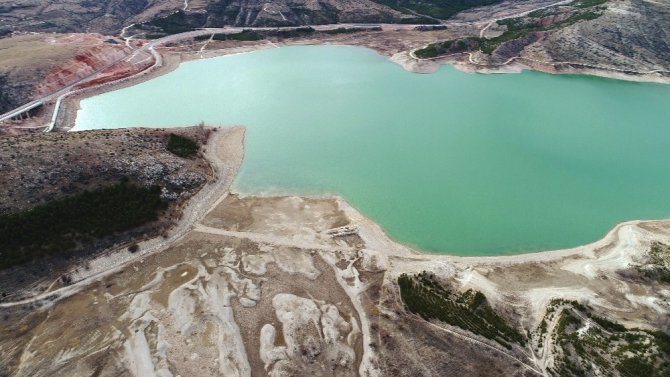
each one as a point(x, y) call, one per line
point(451, 162)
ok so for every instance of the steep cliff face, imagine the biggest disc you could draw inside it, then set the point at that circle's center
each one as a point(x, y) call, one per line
point(26, 61)
point(79, 67)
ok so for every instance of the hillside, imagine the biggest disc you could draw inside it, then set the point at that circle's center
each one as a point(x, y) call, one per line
point(111, 17)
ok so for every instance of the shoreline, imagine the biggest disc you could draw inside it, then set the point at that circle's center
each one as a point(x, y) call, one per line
point(225, 161)
point(225, 151)
point(417, 65)
point(547, 255)
point(172, 60)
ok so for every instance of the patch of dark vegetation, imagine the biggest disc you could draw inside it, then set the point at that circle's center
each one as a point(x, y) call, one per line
point(134, 248)
point(350, 30)
point(65, 225)
point(607, 324)
point(587, 344)
point(253, 35)
point(425, 296)
point(244, 35)
point(430, 27)
point(441, 9)
point(455, 46)
point(290, 33)
point(182, 146)
point(7, 100)
point(178, 22)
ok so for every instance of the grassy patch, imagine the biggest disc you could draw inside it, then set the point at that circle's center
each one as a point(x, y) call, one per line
point(423, 295)
point(182, 146)
point(64, 225)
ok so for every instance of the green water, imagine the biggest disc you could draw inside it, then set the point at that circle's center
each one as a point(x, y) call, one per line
point(452, 162)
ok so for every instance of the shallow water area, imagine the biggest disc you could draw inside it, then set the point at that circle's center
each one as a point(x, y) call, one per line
point(453, 162)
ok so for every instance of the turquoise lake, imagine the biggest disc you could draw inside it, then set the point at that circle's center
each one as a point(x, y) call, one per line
point(457, 163)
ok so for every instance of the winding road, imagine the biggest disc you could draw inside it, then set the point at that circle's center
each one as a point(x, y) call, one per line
point(520, 14)
point(158, 60)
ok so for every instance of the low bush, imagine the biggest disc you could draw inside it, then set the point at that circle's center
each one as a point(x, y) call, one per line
point(182, 146)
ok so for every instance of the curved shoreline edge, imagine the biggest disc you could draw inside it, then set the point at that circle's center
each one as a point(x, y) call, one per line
point(225, 151)
point(405, 59)
point(175, 60)
point(428, 66)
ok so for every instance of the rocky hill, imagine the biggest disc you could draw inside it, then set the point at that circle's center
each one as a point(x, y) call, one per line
point(34, 64)
point(77, 175)
point(79, 15)
point(110, 17)
point(38, 168)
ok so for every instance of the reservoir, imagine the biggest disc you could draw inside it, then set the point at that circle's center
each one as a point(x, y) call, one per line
point(451, 162)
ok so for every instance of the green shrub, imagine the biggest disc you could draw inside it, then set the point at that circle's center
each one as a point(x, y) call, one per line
point(182, 146)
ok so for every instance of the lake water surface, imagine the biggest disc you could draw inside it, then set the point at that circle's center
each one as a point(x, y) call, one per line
point(451, 162)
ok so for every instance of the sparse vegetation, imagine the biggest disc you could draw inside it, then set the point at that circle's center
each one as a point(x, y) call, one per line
point(597, 344)
point(61, 226)
point(448, 47)
point(178, 22)
point(426, 297)
point(516, 28)
point(657, 267)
